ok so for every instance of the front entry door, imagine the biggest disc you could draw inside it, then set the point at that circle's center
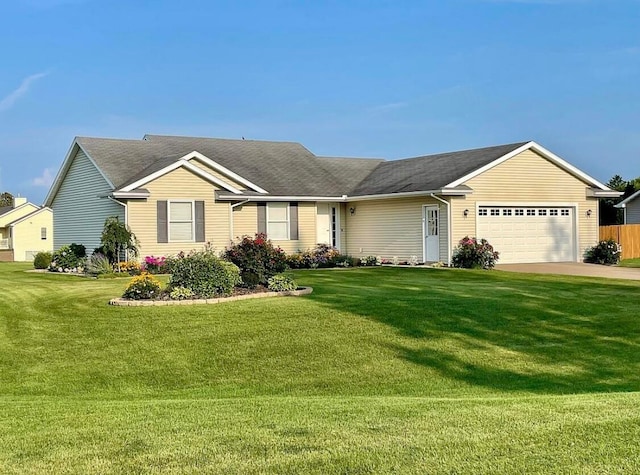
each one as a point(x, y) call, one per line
point(431, 222)
point(328, 224)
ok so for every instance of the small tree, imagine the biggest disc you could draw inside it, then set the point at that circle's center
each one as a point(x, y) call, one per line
point(6, 199)
point(117, 238)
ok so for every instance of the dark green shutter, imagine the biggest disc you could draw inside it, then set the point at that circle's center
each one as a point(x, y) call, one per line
point(262, 218)
point(293, 221)
point(163, 235)
point(200, 221)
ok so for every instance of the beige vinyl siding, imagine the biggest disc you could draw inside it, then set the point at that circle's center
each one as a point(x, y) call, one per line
point(27, 238)
point(391, 228)
point(80, 206)
point(179, 185)
point(245, 223)
point(632, 212)
point(216, 174)
point(527, 178)
point(17, 213)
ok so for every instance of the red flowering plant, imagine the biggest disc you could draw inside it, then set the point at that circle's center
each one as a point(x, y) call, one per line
point(257, 259)
point(154, 265)
point(472, 253)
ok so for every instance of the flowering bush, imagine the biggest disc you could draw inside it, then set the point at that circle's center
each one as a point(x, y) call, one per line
point(65, 260)
point(132, 267)
point(371, 261)
point(473, 254)
point(282, 283)
point(205, 274)
point(257, 259)
point(143, 286)
point(605, 252)
point(321, 256)
point(154, 265)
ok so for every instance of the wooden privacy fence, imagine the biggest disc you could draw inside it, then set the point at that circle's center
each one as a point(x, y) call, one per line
point(627, 235)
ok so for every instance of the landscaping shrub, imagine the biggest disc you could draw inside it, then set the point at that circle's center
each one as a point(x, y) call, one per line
point(78, 250)
point(282, 283)
point(257, 259)
point(154, 265)
point(473, 254)
point(370, 261)
point(42, 260)
point(181, 293)
point(205, 274)
point(322, 256)
point(98, 264)
point(605, 252)
point(143, 286)
point(65, 260)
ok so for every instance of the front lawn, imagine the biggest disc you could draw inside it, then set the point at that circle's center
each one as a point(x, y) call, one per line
point(379, 370)
point(630, 263)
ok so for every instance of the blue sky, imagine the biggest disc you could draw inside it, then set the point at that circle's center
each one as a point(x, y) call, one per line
point(371, 78)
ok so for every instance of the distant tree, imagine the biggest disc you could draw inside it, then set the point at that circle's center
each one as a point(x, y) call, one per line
point(609, 214)
point(6, 199)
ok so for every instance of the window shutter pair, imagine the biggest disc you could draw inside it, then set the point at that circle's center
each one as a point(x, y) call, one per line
point(293, 219)
point(163, 221)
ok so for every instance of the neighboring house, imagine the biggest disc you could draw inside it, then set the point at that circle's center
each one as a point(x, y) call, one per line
point(176, 193)
point(25, 229)
point(631, 207)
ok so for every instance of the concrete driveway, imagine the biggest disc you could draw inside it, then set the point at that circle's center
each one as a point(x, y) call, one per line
point(574, 268)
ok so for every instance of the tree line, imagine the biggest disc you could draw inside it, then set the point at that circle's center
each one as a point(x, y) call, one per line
point(609, 214)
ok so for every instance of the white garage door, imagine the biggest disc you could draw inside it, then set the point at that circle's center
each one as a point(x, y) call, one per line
point(529, 234)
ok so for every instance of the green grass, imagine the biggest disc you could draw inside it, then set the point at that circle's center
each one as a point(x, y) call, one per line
point(379, 370)
point(630, 263)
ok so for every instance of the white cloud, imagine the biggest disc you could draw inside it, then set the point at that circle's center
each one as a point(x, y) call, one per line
point(45, 180)
point(8, 101)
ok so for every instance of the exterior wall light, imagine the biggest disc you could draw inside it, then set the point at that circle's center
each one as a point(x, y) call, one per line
point(589, 213)
point(352, 210)
point(465, 213)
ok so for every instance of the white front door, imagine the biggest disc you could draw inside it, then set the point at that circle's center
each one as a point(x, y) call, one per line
point(328, 224)
point(431, 227)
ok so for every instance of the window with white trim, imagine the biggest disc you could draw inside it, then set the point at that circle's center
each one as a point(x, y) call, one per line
point(565, 212)
point(495, 212)
point(181, 221)
point(519, 212)
point(278, 221)
point(553, 212)
point(482, 212)
point(43, 234)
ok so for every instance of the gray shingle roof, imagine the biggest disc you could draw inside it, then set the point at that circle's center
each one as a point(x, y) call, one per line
point(430, 172)
point(287, 168)
point(5, 209)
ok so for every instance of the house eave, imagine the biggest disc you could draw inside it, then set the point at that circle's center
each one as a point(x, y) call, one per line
point(260, 198)
point(597, 193)
point(408, 194)
point(136, 194)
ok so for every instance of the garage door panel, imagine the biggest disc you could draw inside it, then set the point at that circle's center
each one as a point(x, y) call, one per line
point(529, 234)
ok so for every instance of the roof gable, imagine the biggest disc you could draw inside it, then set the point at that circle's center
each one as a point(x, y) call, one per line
point(628, 199)
point(18, 212)
point(540, 150)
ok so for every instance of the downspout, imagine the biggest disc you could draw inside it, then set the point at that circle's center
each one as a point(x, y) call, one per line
point(126, 209)
point(232, 207)
point(448, 205)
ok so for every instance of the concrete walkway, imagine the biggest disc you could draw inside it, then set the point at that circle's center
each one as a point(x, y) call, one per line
point(574, 268)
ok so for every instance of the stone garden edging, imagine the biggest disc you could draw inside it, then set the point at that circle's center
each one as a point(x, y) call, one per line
point(120, 302)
